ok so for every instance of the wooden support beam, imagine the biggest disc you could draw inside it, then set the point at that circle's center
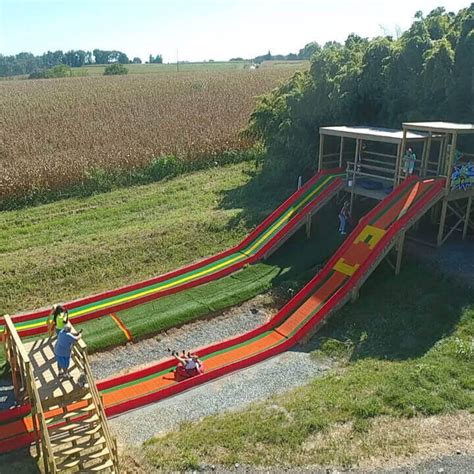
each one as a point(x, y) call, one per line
point(400, 245)
point(356, 160)
point(443, 146)
point(321, 150)
point(444, 209)
point(354, 294)
point(389, 263)
point(426, 157)
point(400, 150)
point(460, 212)
point(449, 165)
point(308, 225)
point(466, 220)
point(341, 151)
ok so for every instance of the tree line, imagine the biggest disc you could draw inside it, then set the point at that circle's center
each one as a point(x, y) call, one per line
point(425, 74)
point(303, 54)
point(28, 63)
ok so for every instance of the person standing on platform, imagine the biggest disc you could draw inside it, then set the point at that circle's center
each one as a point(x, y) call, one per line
point(344, 216)
point(63, 349)
point(410, 160)
point(57, 319)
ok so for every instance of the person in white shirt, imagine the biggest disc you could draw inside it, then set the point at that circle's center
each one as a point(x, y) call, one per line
point(190, 362)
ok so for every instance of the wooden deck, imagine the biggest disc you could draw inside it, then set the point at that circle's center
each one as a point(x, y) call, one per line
point(45, 369)
point(377, 194)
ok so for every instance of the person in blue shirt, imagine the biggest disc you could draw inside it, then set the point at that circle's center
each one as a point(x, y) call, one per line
point(63, 348)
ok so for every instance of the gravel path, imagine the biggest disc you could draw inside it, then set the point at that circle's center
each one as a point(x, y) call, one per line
point(457, 463)
point(235, 321)
point(271, 377)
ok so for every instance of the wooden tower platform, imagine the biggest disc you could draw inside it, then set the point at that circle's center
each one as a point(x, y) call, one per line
point(72, 433)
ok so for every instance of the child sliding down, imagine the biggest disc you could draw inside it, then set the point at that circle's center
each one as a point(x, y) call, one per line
point(189, 364)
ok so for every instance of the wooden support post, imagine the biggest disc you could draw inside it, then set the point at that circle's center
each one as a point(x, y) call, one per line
point(400, 245)
point(442, 221)
point(321, 150)
point(354, 294)
point(356, 157)
point(449, 164)
point(400, 151)
point(442, 153)
point(341, 151)
point(466, 221)
point(426, 157)
point(397, 160)
point(308, 225)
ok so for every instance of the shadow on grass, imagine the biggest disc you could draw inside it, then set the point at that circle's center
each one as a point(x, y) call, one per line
point(256, 199)
point(397, 318)
point(18, 462)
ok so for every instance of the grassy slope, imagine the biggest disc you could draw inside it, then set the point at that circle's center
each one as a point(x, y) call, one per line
point(77, 247)
point(408, 348)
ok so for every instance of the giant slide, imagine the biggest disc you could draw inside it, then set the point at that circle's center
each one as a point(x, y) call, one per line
point(344, 273)
point(260, 243)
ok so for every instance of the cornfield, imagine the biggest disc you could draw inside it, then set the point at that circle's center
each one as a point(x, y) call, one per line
point(52, 132)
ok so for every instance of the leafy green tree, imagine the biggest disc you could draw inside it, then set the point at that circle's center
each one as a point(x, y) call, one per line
point(309, 50)
point(75, 58)
point(61, 70)
point(136, 60)
point(427, 73)
point(158, 59)
point(115, 69)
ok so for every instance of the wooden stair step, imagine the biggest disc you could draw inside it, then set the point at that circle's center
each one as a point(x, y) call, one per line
point(94, 430)
point(67, 450)
point(74, 436)
point(102, 467)
point(52, 404)
point(65, 415)
point(67, 464)
point(79, 412)
point(99, 454)
point(79, 424)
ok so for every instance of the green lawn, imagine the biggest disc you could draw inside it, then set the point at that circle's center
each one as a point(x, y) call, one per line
point(97, 70)
point(78, 247)
point(406, 350)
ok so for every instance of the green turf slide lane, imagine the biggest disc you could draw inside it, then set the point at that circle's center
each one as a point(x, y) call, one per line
point(258, 244)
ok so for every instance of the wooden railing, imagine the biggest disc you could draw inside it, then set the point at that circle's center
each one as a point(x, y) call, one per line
point(25, 387)
point(354, 171)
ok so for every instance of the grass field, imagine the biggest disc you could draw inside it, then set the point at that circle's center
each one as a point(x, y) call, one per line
point(171, 68)
point(57, 132)
point(98, 70)
point(78, 247)
point(406, 350)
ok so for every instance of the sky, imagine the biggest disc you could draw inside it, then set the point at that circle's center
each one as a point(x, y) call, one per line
point(197, 30)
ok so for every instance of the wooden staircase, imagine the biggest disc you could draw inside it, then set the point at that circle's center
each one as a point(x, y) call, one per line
point(72, 433)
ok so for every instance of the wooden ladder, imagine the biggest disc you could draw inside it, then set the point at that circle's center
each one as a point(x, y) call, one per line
point(81, 439)
point(72, 433)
